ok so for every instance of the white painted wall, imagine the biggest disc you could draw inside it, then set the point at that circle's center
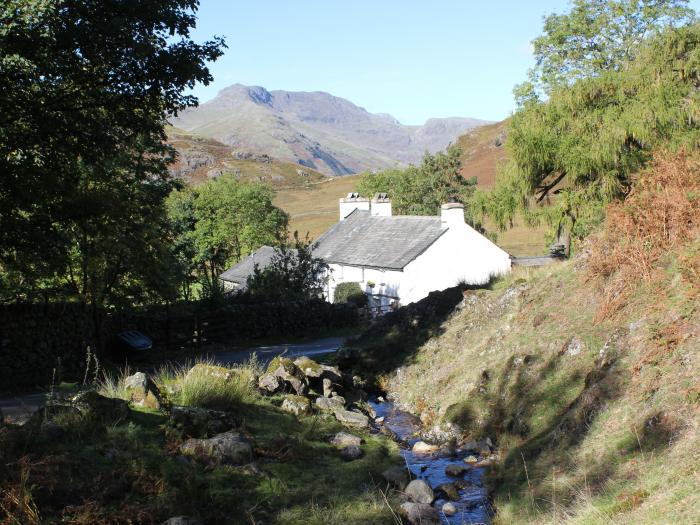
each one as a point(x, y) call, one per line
point(461, 254)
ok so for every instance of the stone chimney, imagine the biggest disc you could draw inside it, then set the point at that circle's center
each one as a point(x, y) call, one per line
point(381, 205)
point(351, 203)
point(452, 214)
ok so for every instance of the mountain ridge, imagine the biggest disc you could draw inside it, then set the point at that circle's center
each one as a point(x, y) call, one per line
point(317, 129)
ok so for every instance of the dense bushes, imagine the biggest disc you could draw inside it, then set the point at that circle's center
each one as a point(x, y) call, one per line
point(350, 293)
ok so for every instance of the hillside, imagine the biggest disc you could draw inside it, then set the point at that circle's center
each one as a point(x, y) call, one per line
point(200, 158)
point(585, 373)
point(483, 150)
point(316, 130)
point(311, 198)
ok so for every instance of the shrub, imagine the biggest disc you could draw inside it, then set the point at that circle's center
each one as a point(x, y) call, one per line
point(350, 293)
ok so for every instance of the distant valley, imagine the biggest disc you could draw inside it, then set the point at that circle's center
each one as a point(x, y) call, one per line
point(316, 130)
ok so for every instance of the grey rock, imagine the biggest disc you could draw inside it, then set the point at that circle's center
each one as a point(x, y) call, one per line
point(142, 391)
point(455, 470)
point(327, 387)
point(419, 514)
point(397, 476)
point(351, 452)
point(285, 369)
point(100, 407)
point(351, 418)
point(449, 509)
point(297, 405)
point(450, 490)
point(420, 492)
point(343, 439)
point(330, 403)
point(269, 383)
point(201, 422)
point(229, 447)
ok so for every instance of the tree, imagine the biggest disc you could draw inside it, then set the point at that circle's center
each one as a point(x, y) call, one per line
point(578, 151)
point(293, 273)
point(87, 88)
point(596, 36)
point(218, 223)
point(422, 189)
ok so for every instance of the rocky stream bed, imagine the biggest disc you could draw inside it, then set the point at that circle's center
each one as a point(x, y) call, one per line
point(454, 472)
point(441, 482)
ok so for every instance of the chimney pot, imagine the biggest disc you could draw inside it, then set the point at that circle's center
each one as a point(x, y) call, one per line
point(381, 205)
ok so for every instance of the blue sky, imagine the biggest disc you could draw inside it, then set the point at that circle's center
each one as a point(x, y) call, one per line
point(410, 58)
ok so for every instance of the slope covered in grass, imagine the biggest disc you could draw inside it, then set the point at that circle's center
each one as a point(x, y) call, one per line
point(587, 374)
point(111, 466)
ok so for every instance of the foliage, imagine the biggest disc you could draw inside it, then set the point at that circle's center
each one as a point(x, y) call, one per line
point(293, 273)
point(422, 189)
point(350, 293)
point(661, 214)
point(219, 222)
point(87, 87)
point(596, 36)
point(577, 151)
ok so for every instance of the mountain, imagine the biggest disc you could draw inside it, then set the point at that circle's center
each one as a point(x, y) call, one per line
point(316, 129)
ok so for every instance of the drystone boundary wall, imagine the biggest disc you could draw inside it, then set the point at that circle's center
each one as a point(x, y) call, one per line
point(36, 338)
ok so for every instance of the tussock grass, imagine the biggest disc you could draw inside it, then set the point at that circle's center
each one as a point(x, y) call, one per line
point(206, 384)
point(112, 384)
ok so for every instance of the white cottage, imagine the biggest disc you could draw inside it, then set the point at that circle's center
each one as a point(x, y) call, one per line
point(401, 259)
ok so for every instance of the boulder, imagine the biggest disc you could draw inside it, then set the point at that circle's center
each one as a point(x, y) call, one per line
point(309, 367)
point(100, 407)
point(421, 447)
point(448, 450)
point(351, 418)
point(229, 447)
point(330, 403)
point(419, 514)
point(285, 370)
point(142, 391)
point(471, 459)
point(420, 492)
point(397, 476)
point(343, 439)
point(297, 405)
point(327, 386)
point(201, 422)
point(351, 452)
point(449, 509)
point(270, 383)
point(450, 490)
point(455, 471)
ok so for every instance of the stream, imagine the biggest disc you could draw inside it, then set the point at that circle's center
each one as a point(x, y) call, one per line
point(473, 506)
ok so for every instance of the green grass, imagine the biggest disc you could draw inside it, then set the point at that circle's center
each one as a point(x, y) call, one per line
point(601, 437)
point(99, 474)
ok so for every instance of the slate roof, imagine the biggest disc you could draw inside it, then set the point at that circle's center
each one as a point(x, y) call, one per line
point(378, 242)
point(239, 272)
